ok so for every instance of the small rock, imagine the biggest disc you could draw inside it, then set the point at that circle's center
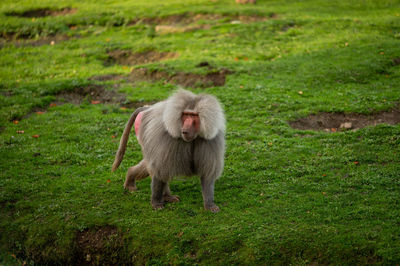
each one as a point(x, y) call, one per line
point(346, 125)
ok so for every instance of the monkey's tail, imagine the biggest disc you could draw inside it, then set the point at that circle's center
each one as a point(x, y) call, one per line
point(124, 138)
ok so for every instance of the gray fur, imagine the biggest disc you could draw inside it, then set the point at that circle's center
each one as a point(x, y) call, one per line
point(166, 154)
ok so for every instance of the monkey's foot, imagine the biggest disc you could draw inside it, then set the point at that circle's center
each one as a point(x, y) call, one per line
point(213, 208)
point(130, 188)
point(171, 198)
point(158, 206)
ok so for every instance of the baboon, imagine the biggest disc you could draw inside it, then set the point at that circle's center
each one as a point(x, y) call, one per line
point(183, 135)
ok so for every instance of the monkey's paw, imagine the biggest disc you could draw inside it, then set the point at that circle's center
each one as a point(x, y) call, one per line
point(171, 198)
point(130, 188)
point(158, 206)
point(213, 208)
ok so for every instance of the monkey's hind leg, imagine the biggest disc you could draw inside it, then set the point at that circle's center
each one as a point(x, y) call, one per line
point(167, 197)
point(134, 173)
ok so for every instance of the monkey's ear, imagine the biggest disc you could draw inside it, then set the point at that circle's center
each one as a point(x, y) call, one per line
point(174, 107)
point(212, 118)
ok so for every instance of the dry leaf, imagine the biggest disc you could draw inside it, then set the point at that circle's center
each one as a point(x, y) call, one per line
point(40, 112)
point(95, 102)
point(333, 129)
point(35, 136)
point(53, 105)
point(15, 122)
point(20, 132)
point(356, 163)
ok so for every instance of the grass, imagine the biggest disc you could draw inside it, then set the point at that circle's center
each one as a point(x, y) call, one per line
point(286, 196)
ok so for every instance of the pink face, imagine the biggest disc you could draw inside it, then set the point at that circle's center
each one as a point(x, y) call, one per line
point(190, 125)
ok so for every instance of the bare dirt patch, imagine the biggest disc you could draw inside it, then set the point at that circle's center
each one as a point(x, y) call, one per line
point(21, 41)
point(99, 246)
point(107, 77)
point(191, 18)
point(332, 122)
point(42, 12)
point(96, 94)
point(137, 104)
point(126, 57)
point(90, 94)
point(212, 79)
point(165, 29)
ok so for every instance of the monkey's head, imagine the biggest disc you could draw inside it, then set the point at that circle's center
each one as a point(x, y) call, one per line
point(188, 116)
point(190, 125)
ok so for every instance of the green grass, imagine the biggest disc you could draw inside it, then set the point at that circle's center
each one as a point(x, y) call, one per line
point(286, 196)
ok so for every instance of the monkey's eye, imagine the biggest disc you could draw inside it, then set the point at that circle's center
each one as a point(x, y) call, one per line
point(190, 113)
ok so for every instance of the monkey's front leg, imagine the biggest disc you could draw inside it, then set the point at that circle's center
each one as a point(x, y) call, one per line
point(157, 191)
point(207, 186)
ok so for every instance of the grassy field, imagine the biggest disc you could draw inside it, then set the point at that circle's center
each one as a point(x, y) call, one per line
point(71, 73)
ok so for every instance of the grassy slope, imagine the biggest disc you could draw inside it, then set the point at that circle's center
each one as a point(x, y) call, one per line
point(286, 196)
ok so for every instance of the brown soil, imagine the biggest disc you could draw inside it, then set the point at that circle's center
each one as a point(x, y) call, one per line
point(137, 104)
point(211, 79)
point(97, 94)
point(107, 77)
point(190, 18)
point(43, 12)
point(186, 18)
point(165, 29)
point(90, 93)
point(125, 57)
point(332, 122)
point(21, 41)
point(97, 246)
